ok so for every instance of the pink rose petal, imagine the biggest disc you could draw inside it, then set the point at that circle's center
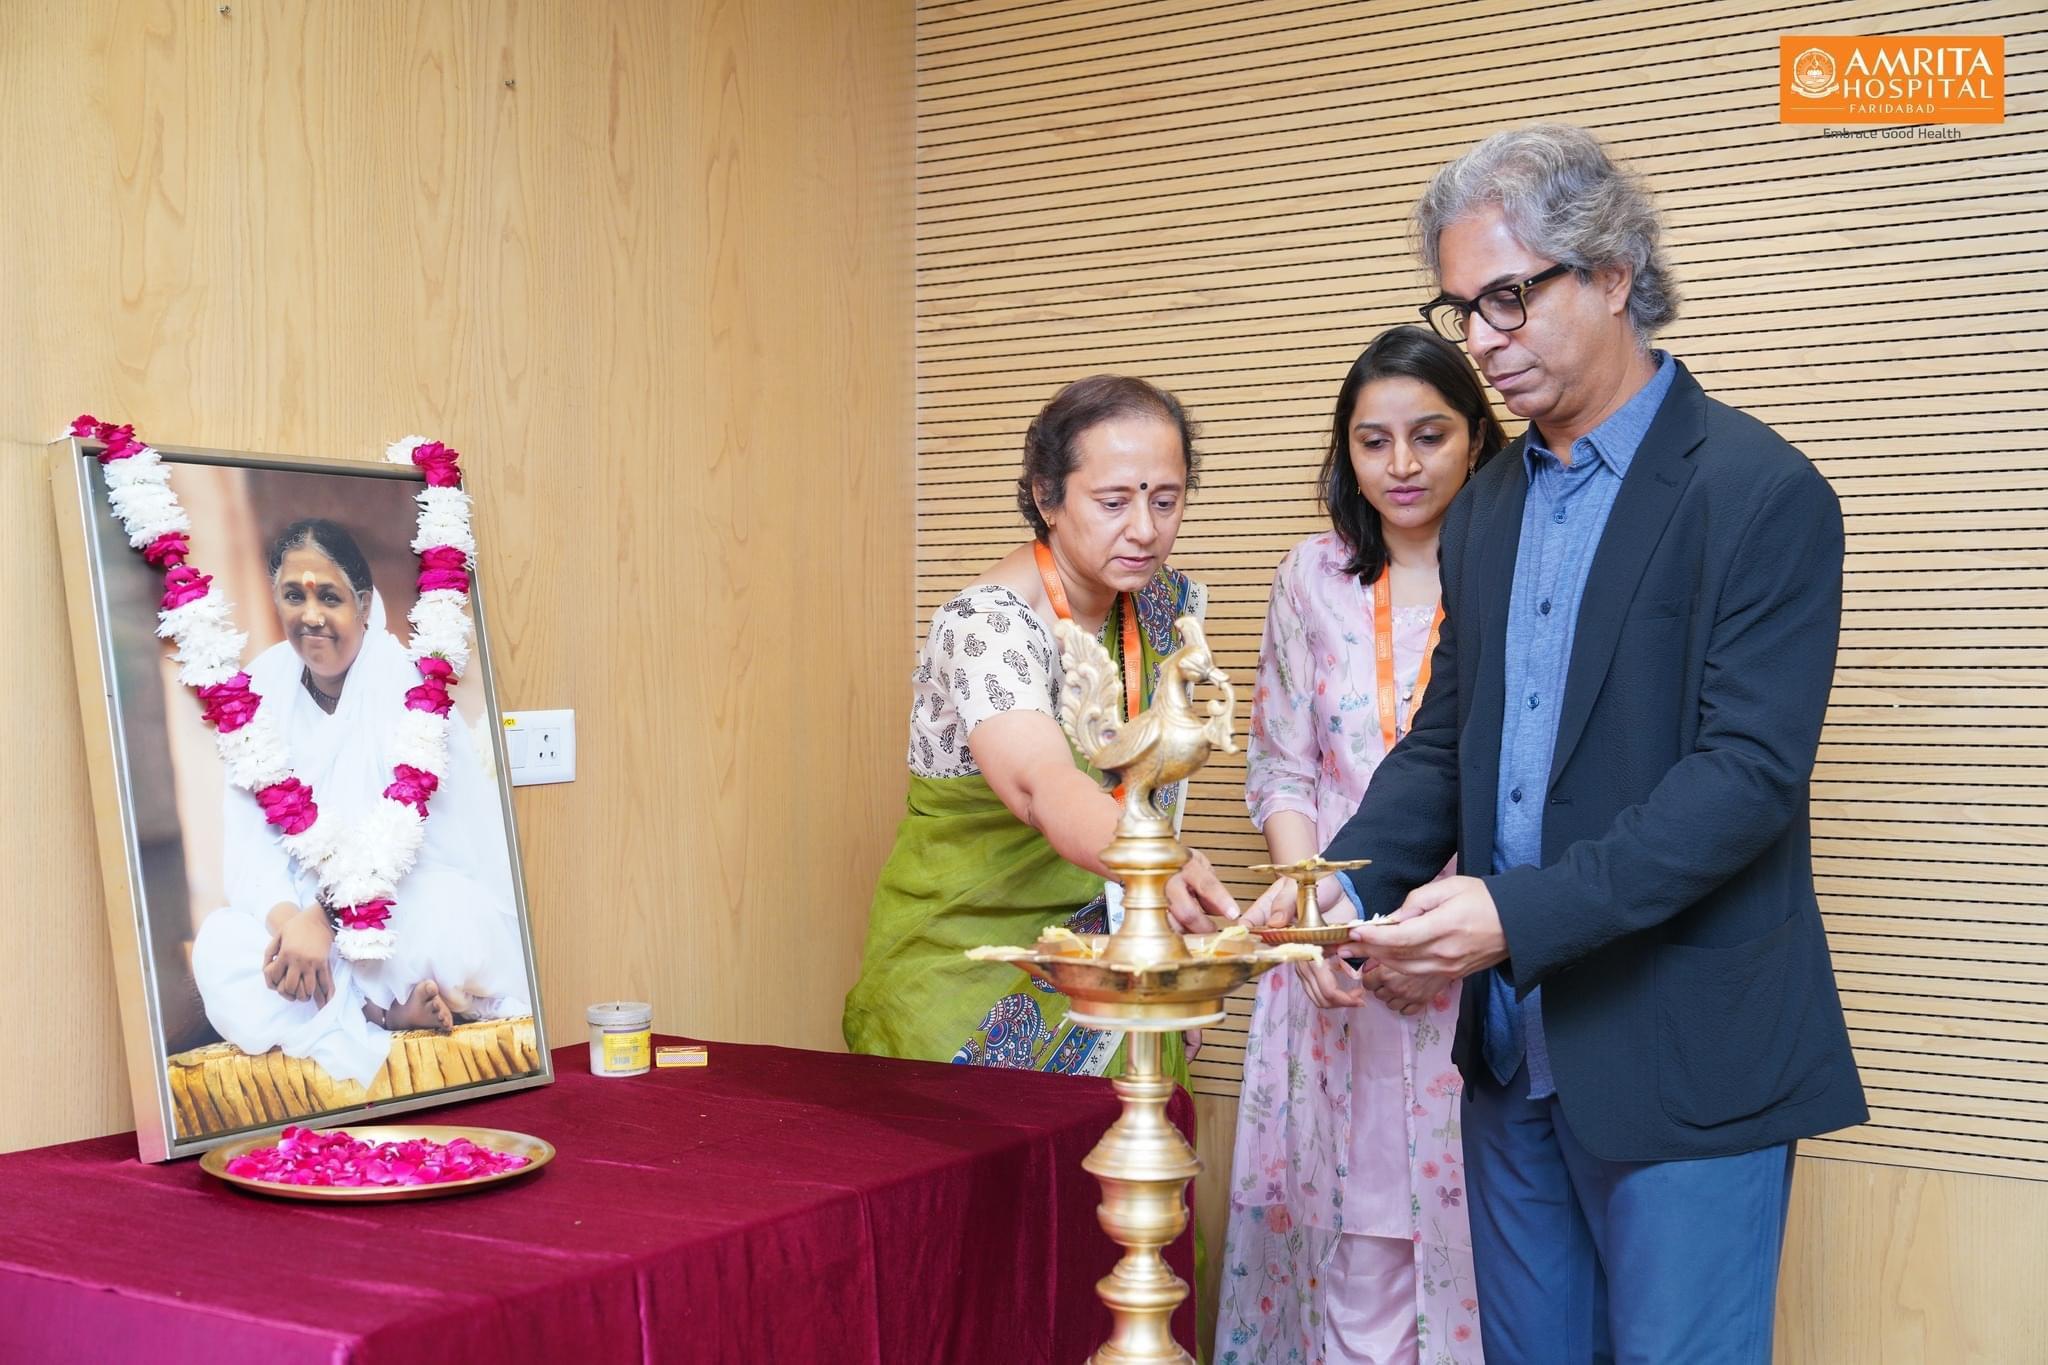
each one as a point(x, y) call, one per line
point(439, 464)
point(182, 584)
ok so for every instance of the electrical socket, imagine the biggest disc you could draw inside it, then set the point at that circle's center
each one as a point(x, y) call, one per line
point(540, 746)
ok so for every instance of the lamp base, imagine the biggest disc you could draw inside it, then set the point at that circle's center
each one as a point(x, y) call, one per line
point(1144, 1165)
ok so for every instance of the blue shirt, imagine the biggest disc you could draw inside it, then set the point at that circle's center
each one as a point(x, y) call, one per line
point(1562, 520)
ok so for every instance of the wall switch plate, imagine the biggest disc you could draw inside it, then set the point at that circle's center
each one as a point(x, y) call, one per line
point(540, 746)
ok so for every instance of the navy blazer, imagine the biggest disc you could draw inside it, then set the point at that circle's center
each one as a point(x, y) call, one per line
point(1689, 1002)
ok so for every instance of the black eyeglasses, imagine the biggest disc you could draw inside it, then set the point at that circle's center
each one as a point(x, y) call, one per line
point(1504, 309)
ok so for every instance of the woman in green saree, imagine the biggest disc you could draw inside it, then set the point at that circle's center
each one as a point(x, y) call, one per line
point(1004, 828)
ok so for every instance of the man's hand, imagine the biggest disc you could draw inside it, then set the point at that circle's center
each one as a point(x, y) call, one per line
point(1449, 928)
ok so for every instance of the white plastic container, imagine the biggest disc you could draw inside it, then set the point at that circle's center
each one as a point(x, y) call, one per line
point(621, 1037)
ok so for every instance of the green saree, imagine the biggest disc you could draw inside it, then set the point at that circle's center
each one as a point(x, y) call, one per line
point(966, 872)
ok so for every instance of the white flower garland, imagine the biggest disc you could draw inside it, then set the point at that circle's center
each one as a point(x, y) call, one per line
point(359, 867)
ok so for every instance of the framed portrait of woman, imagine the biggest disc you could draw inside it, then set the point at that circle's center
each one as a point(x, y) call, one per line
point(252, 993)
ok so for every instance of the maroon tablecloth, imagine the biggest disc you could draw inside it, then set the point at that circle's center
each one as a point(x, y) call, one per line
point(776, 1206)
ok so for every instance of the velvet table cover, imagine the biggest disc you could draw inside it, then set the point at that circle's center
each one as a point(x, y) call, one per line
point(775, 1206)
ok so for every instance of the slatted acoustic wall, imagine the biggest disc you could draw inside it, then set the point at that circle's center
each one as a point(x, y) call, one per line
point(1213, 195)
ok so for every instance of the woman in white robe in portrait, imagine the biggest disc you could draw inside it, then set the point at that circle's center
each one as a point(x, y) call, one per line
point(338, 682)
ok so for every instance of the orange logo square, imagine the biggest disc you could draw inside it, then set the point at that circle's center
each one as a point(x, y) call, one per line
point(1912, 78)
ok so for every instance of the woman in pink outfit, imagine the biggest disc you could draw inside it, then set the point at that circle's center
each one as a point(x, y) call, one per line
point(1348, 1239)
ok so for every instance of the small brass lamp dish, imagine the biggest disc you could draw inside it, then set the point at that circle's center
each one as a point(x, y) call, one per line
point(1308, 926)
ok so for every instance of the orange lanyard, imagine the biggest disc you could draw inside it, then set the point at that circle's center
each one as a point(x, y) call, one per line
point(1133, 660)
point(1383, 658)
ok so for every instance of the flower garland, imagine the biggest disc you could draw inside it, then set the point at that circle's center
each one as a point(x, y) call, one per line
point(359, 869)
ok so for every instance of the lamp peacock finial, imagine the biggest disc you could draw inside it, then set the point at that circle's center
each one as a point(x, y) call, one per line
point(1159, 746)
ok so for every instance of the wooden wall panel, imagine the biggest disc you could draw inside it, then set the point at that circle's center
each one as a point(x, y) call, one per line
point(1214, 196)
point(648, 265)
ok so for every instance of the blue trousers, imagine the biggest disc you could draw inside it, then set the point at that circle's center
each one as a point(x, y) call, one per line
point(1646, 1263)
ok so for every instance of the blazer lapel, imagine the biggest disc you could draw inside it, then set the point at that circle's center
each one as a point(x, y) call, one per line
point(1497, 534)
point(1649, 494)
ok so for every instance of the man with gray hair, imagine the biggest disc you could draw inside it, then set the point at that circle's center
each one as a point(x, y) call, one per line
point(1641, 605)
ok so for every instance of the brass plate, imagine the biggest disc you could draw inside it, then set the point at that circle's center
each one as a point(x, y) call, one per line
point(1302, 933)
point(537, 1152)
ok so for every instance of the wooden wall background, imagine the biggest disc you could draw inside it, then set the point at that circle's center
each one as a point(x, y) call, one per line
point(648, 264)
point(1213, 195)
point(658, 281)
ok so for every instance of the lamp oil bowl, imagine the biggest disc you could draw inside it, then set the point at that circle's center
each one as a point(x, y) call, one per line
point(1179, 992)
point(1145, 978)
point(1308, 926)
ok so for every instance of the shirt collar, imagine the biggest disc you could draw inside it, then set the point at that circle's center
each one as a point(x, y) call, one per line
point(1615, 441)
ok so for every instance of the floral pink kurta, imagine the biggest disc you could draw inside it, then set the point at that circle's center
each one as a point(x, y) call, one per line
point(1348, 1121)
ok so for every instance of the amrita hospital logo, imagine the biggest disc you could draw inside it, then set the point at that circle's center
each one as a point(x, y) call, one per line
point(1813, 74)
point(1912, 78)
